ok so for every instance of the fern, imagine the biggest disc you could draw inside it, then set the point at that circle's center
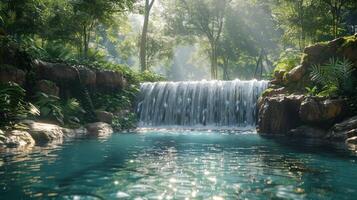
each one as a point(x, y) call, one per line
point(334, 76)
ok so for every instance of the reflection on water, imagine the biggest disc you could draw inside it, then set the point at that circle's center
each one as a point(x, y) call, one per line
point(180, 165)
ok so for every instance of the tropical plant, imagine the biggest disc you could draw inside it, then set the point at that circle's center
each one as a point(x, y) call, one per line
point(312, 91)
point(72, 111)
point(50, 107)
point(333, 77)
point(12, 105)
point(65, 112)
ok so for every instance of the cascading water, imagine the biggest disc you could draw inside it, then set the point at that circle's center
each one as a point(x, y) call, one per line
point(200, 103)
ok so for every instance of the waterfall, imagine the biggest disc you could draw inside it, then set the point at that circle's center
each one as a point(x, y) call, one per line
point(199, 103)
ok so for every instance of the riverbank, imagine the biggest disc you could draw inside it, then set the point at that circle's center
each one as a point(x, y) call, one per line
point(46, 100)
point(317, 98)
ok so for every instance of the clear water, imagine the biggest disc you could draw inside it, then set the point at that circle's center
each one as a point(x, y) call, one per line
point(181, 165)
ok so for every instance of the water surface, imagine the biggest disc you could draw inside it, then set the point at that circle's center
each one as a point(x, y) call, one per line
point(181, 165)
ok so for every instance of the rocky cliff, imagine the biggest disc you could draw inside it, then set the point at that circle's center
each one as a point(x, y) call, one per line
point(285, 108)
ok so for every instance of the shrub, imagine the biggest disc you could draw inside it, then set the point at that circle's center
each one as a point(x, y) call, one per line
point(334, 77)
point(13, 106)
point(68, 112)
point(288, 59)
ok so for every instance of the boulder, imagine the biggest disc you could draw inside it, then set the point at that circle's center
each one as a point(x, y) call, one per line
point(99, 129)
point(88, 77)
point(110, 80)
point(308, 132)
point(47, 87)
point(279, 75)
point(56, 72)
point(319, 111)
point(274, 92)
point(342, 131)
point(295, 74)
point(18, 138)
point(352, 140)
point(72, 133)
point(43, 133)
point(278, 115)
point(9, 73)
point(104, 116)
point(2, 138)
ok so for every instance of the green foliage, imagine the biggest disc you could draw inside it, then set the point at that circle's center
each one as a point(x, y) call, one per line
point(50, 107)
point(126, 122)
point(112, 103)
point(334, 77)
point(67, 112)
point(13, 107)
point(288, 59)
point(73, 112)
point(312, 91)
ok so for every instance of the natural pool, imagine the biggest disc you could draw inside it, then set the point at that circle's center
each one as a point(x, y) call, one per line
point(181, 165)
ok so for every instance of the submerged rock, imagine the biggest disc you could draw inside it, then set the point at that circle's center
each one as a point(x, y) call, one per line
point(99, 129)
point(278, 115)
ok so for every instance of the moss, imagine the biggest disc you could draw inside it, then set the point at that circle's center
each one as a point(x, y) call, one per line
point(323, 43)
point(349, 41)
point(267, 91)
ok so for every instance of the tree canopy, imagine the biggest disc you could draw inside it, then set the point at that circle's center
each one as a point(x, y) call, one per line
point(228, 39)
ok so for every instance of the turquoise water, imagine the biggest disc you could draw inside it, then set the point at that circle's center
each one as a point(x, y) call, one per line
point(181, 165)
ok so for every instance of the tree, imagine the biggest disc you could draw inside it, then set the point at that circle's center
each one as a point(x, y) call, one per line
point(335, 8)
point(202, 18)
point(90, 13)
point(143, 40)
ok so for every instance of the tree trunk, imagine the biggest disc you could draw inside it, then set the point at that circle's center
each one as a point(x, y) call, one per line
point(214, 61)
point(143, 61)
point(85, 41)
point(225, 69)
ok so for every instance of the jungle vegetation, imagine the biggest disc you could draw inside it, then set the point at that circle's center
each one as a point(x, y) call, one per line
point(224, 39)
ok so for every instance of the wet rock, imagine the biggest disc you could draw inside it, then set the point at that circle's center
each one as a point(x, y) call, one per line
point(295, 74)
point(110, 80)
point(99, 129)
point(352, 140)
point(9, 73)
point(325, 112)
point(2, 138)
point(308, 132)
point(18, 138)
point(274, 92)
point(278, 115)
point(342, 131)
point(104, 116)
point(47, 87)
point(72, 133)
point(43, 133)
